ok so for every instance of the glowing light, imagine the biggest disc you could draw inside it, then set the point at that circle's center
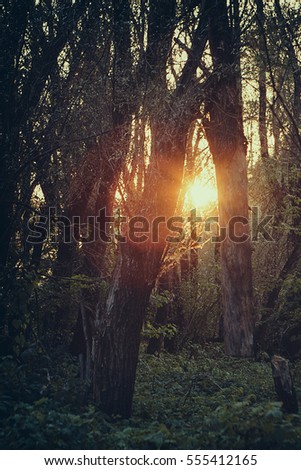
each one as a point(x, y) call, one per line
point(201, 194)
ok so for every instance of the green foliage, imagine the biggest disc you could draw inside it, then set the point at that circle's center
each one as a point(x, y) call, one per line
point(159, 299)
point(57, 303)
point(199, 300)
point(280, 331)
point(291, 297)
point(152, 331)
point(42, 425)
point(197, 399)
point(263, 426)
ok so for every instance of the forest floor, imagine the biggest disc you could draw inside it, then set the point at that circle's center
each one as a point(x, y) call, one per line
point(198, 399)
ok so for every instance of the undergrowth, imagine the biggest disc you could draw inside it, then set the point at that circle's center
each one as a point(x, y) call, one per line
point(197, 399)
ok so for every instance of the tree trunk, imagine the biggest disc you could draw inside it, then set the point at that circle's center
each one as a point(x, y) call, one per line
point(236, 272)
point(284, 384)
point(115, 348)
point(260, 18)
point(224, 131)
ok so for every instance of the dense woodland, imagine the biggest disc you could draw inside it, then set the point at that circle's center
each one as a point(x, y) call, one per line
point(136, 312)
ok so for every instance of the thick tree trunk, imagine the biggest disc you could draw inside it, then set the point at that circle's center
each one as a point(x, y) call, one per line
point(224, 130)
point(115, 348)
point(236, 272)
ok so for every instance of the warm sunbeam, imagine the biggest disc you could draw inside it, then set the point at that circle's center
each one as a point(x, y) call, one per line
point(201, 193)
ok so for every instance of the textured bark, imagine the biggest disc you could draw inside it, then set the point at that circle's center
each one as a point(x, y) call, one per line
point(224, 130)
point(236, 271)
point(116, 346)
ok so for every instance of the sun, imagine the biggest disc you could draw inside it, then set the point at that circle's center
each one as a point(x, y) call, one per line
point(201, 194)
